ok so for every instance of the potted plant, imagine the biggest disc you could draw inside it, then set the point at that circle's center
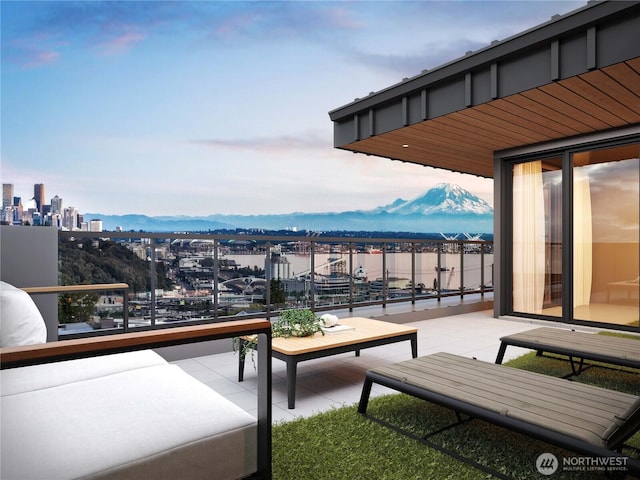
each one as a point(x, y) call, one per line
point(290, 323)
point(297, 323)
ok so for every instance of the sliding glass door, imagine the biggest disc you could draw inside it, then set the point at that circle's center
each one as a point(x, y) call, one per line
point(599, 246)
point(606, 238)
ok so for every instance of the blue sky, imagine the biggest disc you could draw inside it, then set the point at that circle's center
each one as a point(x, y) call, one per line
point(166, 108)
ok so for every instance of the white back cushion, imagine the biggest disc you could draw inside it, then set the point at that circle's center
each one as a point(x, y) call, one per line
point(20, 320)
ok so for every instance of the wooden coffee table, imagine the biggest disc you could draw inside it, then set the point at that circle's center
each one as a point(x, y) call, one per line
point(367, 333)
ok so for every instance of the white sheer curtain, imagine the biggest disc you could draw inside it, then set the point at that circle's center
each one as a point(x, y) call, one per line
point(582, 239)
point(528, 238)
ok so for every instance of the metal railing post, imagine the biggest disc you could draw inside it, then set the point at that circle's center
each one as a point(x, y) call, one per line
point(125, 310)
point(216, 279)
point(413, 273)
point(153, 283)
point(385, 275)
point(312, 274)
point(439, 268)
point(267, 278)
point(461, 246)
point(351, 282)
point(482, 270)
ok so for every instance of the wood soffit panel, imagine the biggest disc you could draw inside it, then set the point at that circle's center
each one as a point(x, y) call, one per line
point(465, 140)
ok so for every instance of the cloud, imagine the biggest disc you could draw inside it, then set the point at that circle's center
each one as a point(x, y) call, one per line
point(27, 52)
point(434, 56)
point(273, 145)
point(121, 43)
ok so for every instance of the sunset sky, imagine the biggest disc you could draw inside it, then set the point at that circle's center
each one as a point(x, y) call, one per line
point(193, 108)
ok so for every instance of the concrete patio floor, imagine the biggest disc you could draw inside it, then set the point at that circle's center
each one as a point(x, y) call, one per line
point(336, 381)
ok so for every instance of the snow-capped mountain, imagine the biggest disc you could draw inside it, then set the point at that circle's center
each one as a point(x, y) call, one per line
point(443, 198)
point(443, 208)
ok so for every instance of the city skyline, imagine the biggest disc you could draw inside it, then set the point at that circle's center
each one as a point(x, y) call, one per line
point(222, 107)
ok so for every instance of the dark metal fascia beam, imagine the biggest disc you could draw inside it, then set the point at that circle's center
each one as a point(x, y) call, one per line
point(580, 19)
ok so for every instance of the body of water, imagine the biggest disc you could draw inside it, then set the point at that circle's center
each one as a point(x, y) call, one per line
point(397, 265)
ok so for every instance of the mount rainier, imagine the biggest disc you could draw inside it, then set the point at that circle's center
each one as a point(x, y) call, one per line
point(443, 208)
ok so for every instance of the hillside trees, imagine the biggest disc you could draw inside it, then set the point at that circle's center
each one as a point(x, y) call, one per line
point(104, 261)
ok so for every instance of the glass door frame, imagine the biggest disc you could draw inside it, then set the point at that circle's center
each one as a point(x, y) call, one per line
point(505, 184)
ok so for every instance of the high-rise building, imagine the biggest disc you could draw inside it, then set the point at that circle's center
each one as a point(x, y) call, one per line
point(38, 195)
point(70, 219)
point(56, 205)
point(7, 194)
point(95, 225)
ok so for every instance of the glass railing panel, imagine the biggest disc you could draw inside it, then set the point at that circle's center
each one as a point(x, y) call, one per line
point(87, 312)
point(196, 278)
point(426, 261)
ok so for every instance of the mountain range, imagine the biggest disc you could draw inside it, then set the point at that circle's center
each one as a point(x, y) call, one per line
point(443, 208)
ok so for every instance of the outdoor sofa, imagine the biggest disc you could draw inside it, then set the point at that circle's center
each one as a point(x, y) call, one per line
point(110, 407)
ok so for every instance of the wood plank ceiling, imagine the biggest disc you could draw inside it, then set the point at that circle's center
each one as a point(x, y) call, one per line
point(465, 140)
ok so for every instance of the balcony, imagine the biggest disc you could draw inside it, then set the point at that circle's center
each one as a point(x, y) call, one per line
point(336, 381)
point(456, 320)
point(201, 278)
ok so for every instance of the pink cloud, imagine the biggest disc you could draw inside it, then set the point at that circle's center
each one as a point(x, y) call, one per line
point(341, 18)
point(40, 59)
point(34, 52)
point(121, 43)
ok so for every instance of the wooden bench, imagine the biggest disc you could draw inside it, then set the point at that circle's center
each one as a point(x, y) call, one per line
point(581, 418)
point(579, 345)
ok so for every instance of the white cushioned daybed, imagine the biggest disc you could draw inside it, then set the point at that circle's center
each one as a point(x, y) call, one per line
point(125, 415)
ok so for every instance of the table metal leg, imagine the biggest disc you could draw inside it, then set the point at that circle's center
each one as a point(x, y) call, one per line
point(240, 360)
point(292, 366)
point(414, 346)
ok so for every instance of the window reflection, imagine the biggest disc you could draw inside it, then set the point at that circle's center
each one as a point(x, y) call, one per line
point(606, 248)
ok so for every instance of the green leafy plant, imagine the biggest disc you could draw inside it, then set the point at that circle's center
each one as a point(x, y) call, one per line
point(290, 323)
point(297, 323)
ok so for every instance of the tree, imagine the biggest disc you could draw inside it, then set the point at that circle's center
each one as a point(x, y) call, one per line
point(278, 295)
point(76, 307)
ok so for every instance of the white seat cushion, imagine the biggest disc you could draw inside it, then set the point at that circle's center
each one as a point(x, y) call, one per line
point(20, 320)
point(156, 422)
point(37, 377)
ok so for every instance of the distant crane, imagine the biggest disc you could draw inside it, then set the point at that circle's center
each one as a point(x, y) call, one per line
point(473, 247)
point(473, 237)
point(450, 247)
point(450, 278)
point(450, 238)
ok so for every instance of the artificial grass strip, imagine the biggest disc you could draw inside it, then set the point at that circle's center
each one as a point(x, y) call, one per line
point(612, 377)
point(342, 444)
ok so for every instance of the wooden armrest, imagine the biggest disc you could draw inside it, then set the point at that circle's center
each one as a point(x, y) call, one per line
point(94, 346)
point(96, 287)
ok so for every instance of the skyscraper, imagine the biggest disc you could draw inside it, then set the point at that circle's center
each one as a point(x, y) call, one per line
point(56, 205)
point(7, 194)
point(38, 195)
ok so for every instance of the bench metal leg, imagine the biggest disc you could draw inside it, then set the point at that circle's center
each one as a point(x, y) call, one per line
point(580, 368)
point(500, 357)
point(364, 398)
